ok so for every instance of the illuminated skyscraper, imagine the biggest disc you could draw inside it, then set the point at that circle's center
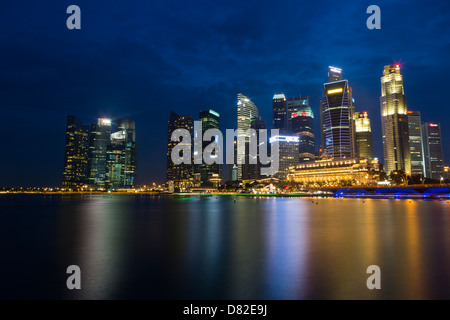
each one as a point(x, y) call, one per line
point(432, 150)
point(363, 136)
point(253, 171)
point(394, 121)
point(99, 140)
point(210, 120)
point(121, 156)
point(301, 124)
point(337, 119)
point(179, 176)
point(279, 112)
point(75, 157)
point(334, 74)
point(415, 143)
point(246, 110)
point(288, 154)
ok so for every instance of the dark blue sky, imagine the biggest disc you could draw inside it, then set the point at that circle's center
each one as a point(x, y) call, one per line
point(140, 59)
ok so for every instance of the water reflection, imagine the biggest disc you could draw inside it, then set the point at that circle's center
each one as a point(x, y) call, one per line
point(146, 247)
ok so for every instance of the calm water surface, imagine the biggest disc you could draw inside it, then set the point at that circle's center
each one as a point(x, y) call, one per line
point(156, 247)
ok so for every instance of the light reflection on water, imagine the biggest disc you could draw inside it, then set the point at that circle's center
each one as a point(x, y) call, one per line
point(146, 247)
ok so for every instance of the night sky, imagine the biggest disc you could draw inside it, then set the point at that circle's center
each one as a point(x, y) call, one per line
point(141, 59)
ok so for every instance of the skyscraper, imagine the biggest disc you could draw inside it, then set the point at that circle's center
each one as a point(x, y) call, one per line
point(179, 176)
point(121, 156)
point(75, 157)
point(288, 154)
point(253, 171)
point(99, 140)
point(334, 74)
point(210, 120)
point(279, 112)
point(363, 136)
point(301, 124)
point(246, 110)
point(432, 150)
point(415, 143)
point(394, 121)
point(337, 114)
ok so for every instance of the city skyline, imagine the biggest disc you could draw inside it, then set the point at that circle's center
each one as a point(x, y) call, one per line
point(135, 71)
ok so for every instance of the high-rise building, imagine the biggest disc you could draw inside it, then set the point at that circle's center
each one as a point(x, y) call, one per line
point(415, 143)
point(363, 136)
point(334, 74)
point(288, 148)
point(337, 116)
point(99, 139)
point(394, 121)
point(179, 176)
point(432, 150)
point(301, 124)
point(75, 157)
point(246, 110)
point(210, 120)
point(253, 171)
point(121, 156)
point(279, 112)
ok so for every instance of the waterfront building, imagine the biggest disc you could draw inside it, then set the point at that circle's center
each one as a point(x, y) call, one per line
point(415, 143)
point(337, 119)
point(363, 136)
point(335, 172)
point(246, 111)
point(99, 139)
point(288, 154)
point(210, 120)
point(432, 150)
point(179, 176)
point(75, 155)
point(121, 156)
point(394, 121)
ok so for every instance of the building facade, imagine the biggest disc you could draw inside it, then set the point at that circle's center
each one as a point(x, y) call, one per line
point(75, 156)
point(337, 109)
point(179, 176)
point(288, 147)
point(99, 139)
point(432, 151)
point(335, 172)
point(210, 120)
point(246, 111)
point(415, 143)
point(363, 136)
point(302, 125)
point(394, 121)
point(121, 160)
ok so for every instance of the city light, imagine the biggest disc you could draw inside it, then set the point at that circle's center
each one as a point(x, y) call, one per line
point(334, 91)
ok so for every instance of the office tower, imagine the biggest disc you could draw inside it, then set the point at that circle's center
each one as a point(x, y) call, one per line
point(179, 176)
point(253, 171)
point(415, 143)
point(279, 112)
point(210, 120)
point(121, 156)
point(75, 157)
point(302, 125)
point(363, 136)
point(99, 140)
point(337, 113)
point(432, 150)
point(394, 121)
point(246, 110)
point(334, 74)
point(288, 154)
